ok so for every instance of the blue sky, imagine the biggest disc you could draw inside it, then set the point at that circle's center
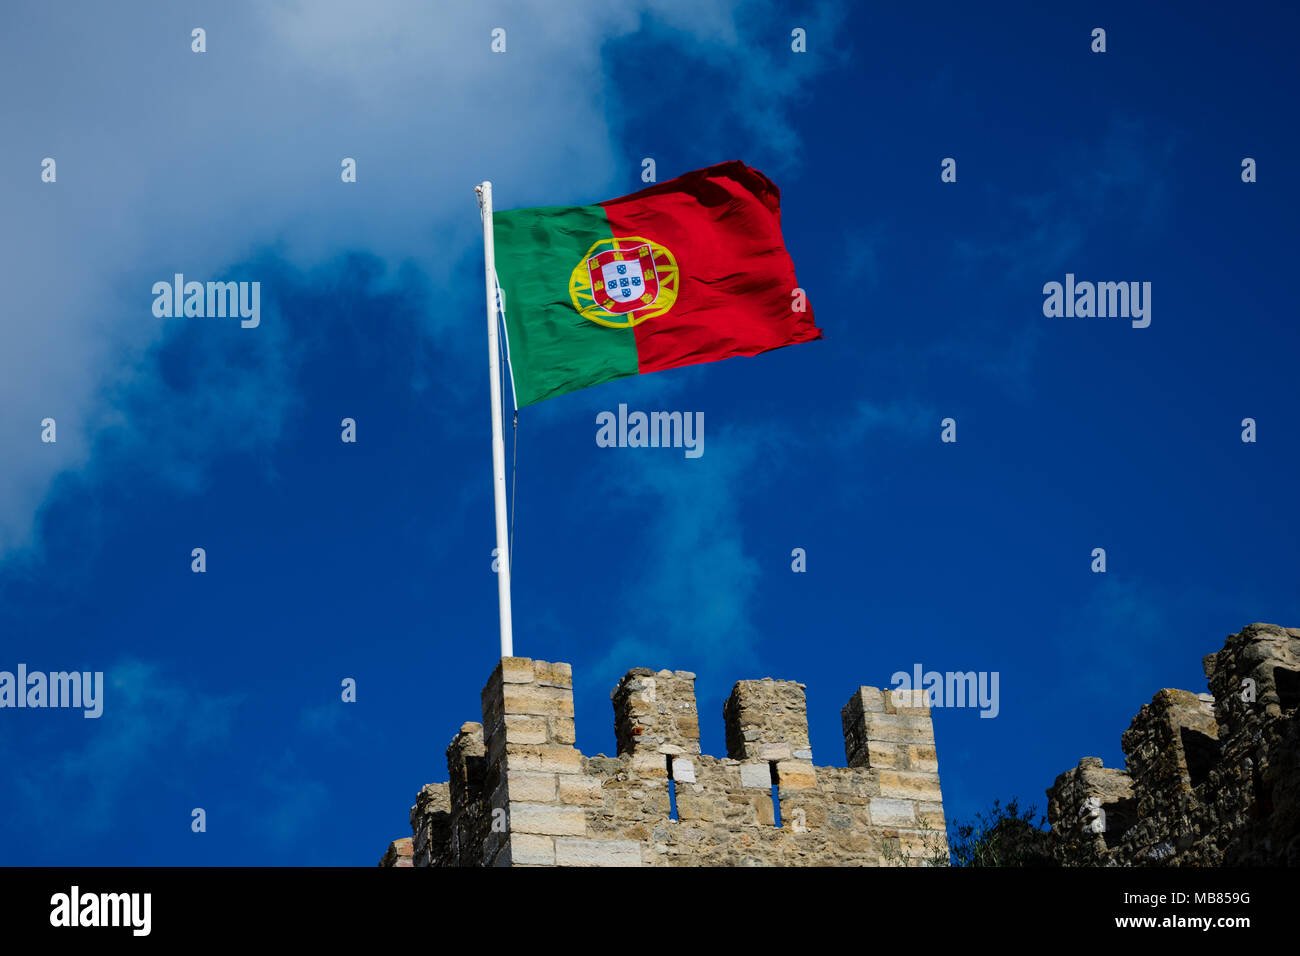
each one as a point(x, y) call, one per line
point(372, 560)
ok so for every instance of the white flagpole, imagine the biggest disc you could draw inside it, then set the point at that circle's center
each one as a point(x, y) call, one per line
point(484, 191)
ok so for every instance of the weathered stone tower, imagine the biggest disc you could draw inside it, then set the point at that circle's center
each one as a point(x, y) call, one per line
point(521, 794)
point(1211, 779)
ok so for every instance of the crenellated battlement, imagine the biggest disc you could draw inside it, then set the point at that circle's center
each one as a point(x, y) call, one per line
point(519, 792)
point(1209, 779)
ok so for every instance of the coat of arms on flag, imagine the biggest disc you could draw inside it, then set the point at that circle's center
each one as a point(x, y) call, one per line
point(624, 281)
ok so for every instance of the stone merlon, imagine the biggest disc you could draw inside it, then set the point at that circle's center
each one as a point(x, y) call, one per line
point(519, 792)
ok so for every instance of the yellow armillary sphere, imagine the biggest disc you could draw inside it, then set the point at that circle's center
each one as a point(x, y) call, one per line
point(623, 281)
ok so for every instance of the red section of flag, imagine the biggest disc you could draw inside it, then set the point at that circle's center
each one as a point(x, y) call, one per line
point(735, 292)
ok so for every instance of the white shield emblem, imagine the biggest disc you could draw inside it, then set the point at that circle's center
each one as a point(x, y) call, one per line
point(624, 281)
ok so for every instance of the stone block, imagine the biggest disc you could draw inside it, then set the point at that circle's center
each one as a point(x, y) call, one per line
point(547, 820)
point(883, 755)
point(908, 785)
point(796, 775)
point(516, 670)
point(580, 790)
point(548, 674)
point(887, 812)
point(543, 758)
point(526, 729)
point(650, 764)
point(914, 702)
point(572, 851)
point(756, 776)
point(531, 787)
point(530, 849)
point(537, 700)
point(899, 728)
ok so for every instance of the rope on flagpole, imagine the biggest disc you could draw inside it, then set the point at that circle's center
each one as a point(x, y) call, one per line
point(504, 344)
point(514, 469)
point(503, 348)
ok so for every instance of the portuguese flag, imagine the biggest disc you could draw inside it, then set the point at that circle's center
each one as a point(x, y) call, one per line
point(690, 270)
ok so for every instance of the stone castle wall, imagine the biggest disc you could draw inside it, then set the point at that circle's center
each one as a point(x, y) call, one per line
point(1210, 779)
point(521, 794)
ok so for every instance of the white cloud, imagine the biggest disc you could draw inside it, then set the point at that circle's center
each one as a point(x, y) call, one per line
point(172, 161)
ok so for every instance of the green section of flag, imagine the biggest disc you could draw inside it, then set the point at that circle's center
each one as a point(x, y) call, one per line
point(553, 349)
